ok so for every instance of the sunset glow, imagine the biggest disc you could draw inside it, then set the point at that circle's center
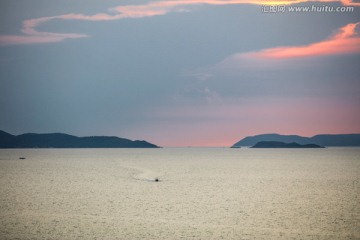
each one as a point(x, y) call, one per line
point(345, 41)
point(180, 72)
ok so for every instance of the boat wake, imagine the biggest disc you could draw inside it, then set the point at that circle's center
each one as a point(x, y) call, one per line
point(146, 175)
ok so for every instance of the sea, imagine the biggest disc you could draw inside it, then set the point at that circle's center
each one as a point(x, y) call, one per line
point(180, 193)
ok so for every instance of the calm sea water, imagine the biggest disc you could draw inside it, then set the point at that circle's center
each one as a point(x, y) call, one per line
point(202, 193)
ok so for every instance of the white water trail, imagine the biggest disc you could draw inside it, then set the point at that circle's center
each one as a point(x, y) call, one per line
point(143, 174)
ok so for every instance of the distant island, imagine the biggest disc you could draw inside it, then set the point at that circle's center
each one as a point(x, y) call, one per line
point(275, 144)
point(328, 140)
point(61, 140)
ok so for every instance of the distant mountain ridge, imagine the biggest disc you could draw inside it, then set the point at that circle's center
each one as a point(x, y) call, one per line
point(329, 140)
point(61, 140)
point(275, 144)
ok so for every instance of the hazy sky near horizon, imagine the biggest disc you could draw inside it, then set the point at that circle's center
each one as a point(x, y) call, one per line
point(178, 72)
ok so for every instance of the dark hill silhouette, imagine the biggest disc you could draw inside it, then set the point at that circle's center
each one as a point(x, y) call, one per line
point(275, 144)
point(337, 139)
point(330, 140)
point(60, 140)
point(6, 139)
point(252, 140)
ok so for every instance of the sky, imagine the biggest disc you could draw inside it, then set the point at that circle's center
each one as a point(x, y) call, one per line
point(180, 72)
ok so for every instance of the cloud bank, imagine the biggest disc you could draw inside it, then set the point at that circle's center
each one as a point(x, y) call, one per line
point(32, 36)
point(345, 41)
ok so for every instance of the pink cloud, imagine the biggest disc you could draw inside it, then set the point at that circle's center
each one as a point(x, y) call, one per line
point(345, 41)
point(9, 39)
point(350, 3)
point(32, 36)
point(128, 11)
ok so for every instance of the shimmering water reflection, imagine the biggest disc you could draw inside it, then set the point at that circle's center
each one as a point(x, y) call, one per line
point(203, 193)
